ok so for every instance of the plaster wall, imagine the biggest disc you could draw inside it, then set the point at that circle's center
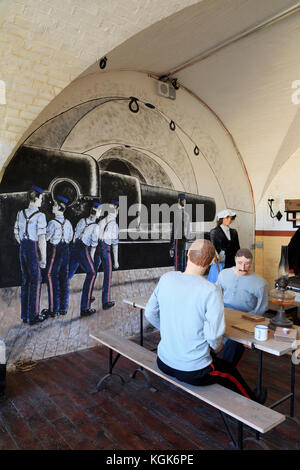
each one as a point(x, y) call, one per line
point(110, 124)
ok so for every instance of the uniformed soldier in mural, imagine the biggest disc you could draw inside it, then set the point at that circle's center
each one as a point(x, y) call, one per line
point(86, 239)
point(180, 234)
point(59, 235)
point(109, 239)
point(30, 233)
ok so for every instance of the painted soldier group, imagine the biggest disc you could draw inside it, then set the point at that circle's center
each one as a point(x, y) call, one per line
point(60, 250)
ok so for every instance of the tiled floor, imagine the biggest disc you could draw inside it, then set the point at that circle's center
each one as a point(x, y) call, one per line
point(69, 333)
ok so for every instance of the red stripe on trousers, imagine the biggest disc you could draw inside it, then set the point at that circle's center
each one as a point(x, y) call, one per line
point(37, 310)
point(93, 277)
point(49, 277)
point(110, 270)
point(233, 379)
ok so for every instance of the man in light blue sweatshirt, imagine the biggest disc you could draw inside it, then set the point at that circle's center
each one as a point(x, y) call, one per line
point(242, 290)
point(189, 312)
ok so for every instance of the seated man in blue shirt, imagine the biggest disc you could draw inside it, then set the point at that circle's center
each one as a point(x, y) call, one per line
point(245, 291)
point(189, 312)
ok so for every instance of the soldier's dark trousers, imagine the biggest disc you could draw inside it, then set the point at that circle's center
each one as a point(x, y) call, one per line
point(103, 254)
point(57, 274)
point(80, 255)
point(31, 279)
point(180, 255)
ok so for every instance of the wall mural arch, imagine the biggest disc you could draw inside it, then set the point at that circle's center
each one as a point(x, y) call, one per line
point(97, 151)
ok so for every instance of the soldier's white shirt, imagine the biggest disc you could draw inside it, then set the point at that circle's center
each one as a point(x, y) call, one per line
point(36, 226)
point(87, 230)
point(109, 230)
point(57, 233)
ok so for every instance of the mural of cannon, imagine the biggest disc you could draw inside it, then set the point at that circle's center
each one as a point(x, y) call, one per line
point(79, 178)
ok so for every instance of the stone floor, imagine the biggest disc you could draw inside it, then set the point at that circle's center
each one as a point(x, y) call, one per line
point(62, 335)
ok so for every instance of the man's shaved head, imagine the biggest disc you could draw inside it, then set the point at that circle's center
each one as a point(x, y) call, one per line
point(201, 253)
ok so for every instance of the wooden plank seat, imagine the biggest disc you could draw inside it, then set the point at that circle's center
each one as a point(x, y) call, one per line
point(245, 411)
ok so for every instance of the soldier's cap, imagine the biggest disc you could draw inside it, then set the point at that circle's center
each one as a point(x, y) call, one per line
point(36, 188)
point(225, 213)
point(63, 199)
point(97, 204)
point(115, 203)
point(181, 196)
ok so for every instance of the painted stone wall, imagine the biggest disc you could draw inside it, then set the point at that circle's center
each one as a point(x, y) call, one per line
point(90, 123)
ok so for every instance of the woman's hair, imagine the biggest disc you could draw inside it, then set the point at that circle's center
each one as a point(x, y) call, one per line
point(220, 221)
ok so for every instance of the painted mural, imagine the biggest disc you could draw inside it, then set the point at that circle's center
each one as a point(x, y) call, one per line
point(88, 209)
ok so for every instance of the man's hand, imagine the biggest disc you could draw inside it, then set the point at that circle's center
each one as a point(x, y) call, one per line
point(171, 253)
point(116, 265)
point(42, 264)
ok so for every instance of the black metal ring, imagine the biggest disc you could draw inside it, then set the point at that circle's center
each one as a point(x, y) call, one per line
point(134, 102)
point(196, 150)
point(102, 63)
point(172, 126)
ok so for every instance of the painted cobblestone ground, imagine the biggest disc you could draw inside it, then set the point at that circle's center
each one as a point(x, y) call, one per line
point(69, 333)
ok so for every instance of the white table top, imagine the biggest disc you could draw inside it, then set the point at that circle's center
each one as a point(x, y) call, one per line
point(271, 346)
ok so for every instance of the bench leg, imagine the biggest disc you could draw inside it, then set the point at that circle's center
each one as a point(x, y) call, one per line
point(110, 373)
point(146, 376)
point(290, 396)
point(238, 444)
point(259, 442)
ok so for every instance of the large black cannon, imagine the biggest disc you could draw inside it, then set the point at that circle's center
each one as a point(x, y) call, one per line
point(79, 178)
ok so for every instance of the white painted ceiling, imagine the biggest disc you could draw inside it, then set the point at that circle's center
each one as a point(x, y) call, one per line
point(248, 83)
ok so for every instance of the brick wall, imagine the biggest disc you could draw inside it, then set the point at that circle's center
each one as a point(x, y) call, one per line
point(45, 44)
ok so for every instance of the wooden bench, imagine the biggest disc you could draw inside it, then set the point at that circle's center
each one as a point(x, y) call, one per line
point(245, 411)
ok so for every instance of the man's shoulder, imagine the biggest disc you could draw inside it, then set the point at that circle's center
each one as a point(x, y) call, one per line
point(258, 280)
point(226, 273)
point(170, 275)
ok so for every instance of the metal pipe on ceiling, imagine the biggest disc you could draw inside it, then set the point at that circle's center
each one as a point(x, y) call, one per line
point(264, 24)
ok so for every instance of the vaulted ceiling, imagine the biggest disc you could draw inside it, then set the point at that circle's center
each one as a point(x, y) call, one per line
point(241, 58)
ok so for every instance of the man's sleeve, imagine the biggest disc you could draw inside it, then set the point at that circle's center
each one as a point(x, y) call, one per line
point(95, 236)
point(152, 309)
point(214, 324)
point(114, 233)
point(71, 232)
point(17, 229)
point(262, 300)
point(78, 229)
point(219, 281)
point(41, 224)
point(50, 230)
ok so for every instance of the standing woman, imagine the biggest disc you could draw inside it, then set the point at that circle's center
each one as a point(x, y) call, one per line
point(225, 241)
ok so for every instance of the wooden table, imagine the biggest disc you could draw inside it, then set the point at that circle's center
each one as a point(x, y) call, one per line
point(270, 346)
